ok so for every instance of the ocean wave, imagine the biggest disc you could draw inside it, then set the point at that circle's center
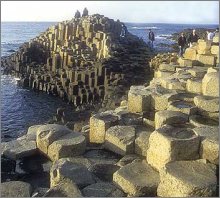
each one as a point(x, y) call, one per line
point(144, 28)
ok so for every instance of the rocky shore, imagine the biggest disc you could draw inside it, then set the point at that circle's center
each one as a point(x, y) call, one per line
point(161, 141)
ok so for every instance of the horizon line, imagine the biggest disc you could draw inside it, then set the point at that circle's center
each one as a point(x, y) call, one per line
point(120, 21)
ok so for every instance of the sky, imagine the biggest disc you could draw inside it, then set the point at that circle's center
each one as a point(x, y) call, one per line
point(185, 12)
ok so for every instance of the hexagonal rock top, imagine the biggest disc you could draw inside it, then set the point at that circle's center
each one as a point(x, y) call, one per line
point(69, 145)
point(187, 179)
point(47, 134)
point(209, 147)
point(169, 117)
point(137, 179)
point(99, 124)
point(170, 143)
point(210, 84)
point(64, 169)
point(120, 139)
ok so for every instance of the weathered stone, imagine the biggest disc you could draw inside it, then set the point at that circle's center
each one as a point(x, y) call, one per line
point(194, 86)
point(209, 148)
point(63, 169)
point(102, 189)
point(49, 133)
point(32, 132)
point(137, 179)
point(120, 139)
point(207, 103)
point(187, 179)
point(138, 99)
point(162, 74)
point(65, 188)
point(185, 62)
point(127, 159)
point(99, 124)
point(198, 120)
point(212, 69)
point(169, 117)
point(215, 49)
point(16, 189)
point(197, 72)
point(7, 165)
point(142, 142)
point(204, 45)
point(69, 145)
point(206, 59)
point(130, 119)
point(182, 106)
point(190, 54)
point(170, 143)
point(210, 84)
point(17, 149)
point(167, 67)
point(215, 39)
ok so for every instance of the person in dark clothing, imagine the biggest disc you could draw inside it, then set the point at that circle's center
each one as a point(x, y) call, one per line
point(151, 38)
point(123, 31)
point(193, 38)
point(182, 44)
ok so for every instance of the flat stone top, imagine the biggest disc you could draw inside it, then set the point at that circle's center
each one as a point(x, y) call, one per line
point(106, 116)
point(203, 120)
point(208, 132)
point(176, 132)
point(71, 138)
point(139, 90)
point(205, 98)
point(140, 174)
point(123, 133)
point(182, 104)
point(170, 114)
point(192, 172)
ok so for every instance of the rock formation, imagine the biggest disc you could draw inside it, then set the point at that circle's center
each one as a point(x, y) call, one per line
point(162, 141)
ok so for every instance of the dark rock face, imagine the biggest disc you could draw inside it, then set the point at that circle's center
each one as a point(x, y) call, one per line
point(82, 60)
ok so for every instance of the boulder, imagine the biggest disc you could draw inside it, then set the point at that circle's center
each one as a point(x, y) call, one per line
point(18, 149)
point(128, 118)
point(120, 139)
point(215, 39)
point(137, 179)
point(171, 143)
point(194, 85)
point(69, 145)
point(99, 124)
point(207, 103)
point(63, 169)
point(209, 148)
point(138, 99)
point(210, 84)
point(7, 165)
point(197, 72)
point(65, 188)
point(16, 189)
point(102, 189)
point(182, 106)
point(32, 132)
point(162, 73)
point(204, 45)
point(47, 134)
point(187, 179)
point(169, 117)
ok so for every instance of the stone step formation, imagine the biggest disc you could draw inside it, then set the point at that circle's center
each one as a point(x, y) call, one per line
point(81, 59)
point(161, 141)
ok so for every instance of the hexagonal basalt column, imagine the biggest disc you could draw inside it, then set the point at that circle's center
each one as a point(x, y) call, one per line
point(187, 179)
point(210, 84)
point(172, 144)
point(209, 148)
point(99, 124)
point(182, 106)
point(138, 99)
point(120, 139)
point(169, 117)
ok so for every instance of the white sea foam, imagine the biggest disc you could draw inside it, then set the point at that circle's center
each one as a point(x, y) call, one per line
point(144, 28)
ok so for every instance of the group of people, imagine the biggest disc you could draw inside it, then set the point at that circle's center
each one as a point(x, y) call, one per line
point(193, 38)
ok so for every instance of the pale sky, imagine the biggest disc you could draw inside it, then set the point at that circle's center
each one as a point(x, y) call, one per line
point(194, 12)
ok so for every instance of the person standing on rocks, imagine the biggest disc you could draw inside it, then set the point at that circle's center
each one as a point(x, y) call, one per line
point(210, 35)
point(193, 38)
point(123, 31)
point(151, 38)
point(182, 44)
point(217, 32)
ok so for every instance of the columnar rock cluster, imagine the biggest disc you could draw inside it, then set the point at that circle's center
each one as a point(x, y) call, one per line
point(162, 141)
point(80, 59)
